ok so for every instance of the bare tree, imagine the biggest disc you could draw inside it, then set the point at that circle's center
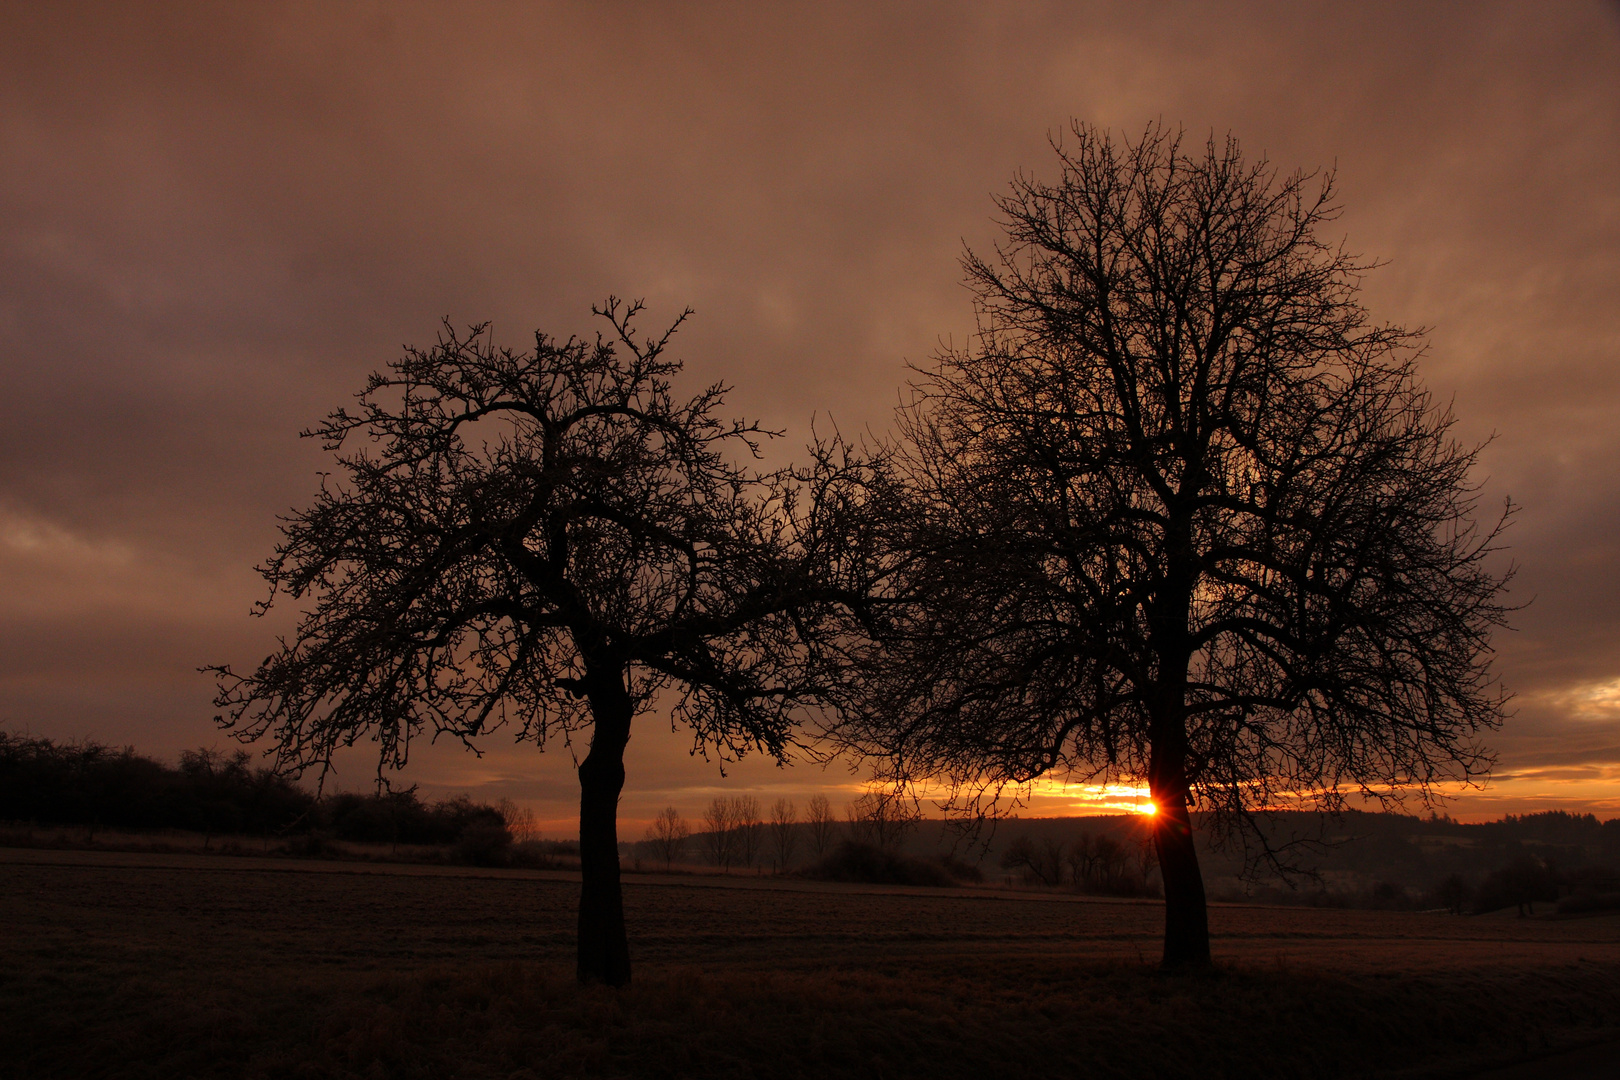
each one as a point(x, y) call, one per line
point(1145, 852)
point(1452, 893)
point(1040, 862)
point(1110, 862)
point(882, 818)
point(1080, 860)
point(747, 829)
point(822, 823)
point(719, 837)
point(520, 821)
point(668, 834)
point(1182, 513)
point(784, 833)
point(546, 539)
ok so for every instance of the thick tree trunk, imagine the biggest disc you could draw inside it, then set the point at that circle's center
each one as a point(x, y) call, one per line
point(604, 949)
point(1186, 915)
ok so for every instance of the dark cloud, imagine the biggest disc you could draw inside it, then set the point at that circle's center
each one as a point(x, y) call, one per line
point(219, 218)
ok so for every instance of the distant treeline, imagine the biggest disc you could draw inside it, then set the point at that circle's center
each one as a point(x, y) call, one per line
point(95, 786)
point(1365, 860)
point(1400, 861)
point(1358, 859)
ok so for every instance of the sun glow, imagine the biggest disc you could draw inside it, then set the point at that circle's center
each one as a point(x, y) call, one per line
point(1050, 796)
point(1054, 796)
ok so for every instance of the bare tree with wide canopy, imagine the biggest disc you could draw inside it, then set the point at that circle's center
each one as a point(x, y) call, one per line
point(548, 540)
point(1182, 515)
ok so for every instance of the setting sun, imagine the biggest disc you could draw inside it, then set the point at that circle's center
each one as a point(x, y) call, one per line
point(1147, 809)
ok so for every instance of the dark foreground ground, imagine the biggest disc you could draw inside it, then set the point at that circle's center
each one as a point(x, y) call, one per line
point(142, 965)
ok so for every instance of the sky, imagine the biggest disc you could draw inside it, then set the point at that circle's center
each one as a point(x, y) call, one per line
point(218, 219)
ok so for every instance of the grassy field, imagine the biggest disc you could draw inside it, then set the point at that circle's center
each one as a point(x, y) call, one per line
point(149, 965)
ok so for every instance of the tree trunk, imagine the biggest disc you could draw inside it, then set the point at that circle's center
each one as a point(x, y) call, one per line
point(604, 949)
point(1186, 915)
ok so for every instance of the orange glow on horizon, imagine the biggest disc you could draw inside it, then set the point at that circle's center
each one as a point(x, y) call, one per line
point(1147, 809)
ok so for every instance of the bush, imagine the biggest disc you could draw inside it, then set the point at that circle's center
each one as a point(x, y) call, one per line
point(97, 786)
point(1589, 903)
point(1452, 893)
point(483, 843)
point(544, 855)
point(1519, 884)
point(852, 861)
point(961, 871)
point(314, 844)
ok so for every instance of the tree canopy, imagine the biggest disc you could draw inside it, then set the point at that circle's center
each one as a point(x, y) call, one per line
point(1183, 515)
point(548, 539)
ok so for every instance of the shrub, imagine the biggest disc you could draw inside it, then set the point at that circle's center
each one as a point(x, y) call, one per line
point(959, 870)
point(852, 861)
point(483, 843)
point(544, 855)
point(1589, 903)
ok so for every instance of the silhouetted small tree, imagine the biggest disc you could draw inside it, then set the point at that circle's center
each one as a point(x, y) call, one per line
point(720, 838)
point(520, 821)
point(1040, 861)
point(548, 539)
point(668, 834)
point(748, 829)
point(1519, 884)
point(1078, 859)
point(821, 825)
point(1182, 514)
point(882, 818)
point(784, 833)
point(1110, 862)
point(1452, 893)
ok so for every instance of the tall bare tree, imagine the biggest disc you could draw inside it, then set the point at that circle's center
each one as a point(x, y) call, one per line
point(747, 828)
point(784, 833)
point(1183, 513)
point(821, 823)
point(545, 539)
point(668, 834)
point(719, 838)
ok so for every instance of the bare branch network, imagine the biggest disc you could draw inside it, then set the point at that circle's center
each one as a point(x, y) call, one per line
point(1182, 514)
point(501, 516)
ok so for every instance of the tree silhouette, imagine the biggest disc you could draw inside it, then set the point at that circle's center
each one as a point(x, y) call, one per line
point(668, 834)
point(882, 818)
point(1041, 862)
point(1181, 513)
point(719, 836)
point(748, 828)
point(547, 539)
point(821, 823)
point(784, 833)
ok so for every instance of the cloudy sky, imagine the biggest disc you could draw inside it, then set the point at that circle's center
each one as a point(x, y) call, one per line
point(218, 218)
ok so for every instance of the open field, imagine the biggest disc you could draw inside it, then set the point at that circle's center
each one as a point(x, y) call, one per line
point(135, 964)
